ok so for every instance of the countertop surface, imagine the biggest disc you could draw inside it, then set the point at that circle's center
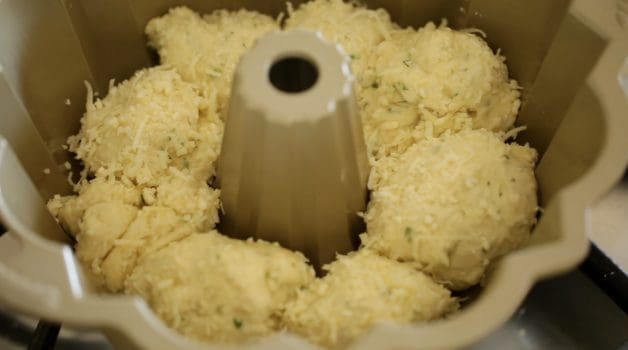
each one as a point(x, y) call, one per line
point(609, 224)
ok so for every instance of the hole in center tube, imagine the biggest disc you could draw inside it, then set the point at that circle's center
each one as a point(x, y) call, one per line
point(293, 74)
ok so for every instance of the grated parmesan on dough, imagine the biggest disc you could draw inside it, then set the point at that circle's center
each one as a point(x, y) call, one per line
point(144, 126)
point(360, 290)
point(206, 49)
point(451, 205)
point(213, 288)
point(191, 199)
point(357, 29)
point(422, 83)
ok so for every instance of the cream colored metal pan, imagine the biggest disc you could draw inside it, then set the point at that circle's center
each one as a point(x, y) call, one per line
point(567, 56)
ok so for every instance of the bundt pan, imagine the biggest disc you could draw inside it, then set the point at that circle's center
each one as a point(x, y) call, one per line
point(568, 56)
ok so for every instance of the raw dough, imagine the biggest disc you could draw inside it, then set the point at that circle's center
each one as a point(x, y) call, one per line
point(218, 289)
point(453, 204)
point(424, 82)
point(69, 210)
point(357, 29)
point(144, 126)
point(115, 223)
point(206, 50)
point(360, 290)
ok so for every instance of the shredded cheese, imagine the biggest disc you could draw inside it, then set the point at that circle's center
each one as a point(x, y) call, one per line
point(448, 195)
point(451, 205)
point(214, 288)
point(206, 49)
point(360, 290)
point(146, 125)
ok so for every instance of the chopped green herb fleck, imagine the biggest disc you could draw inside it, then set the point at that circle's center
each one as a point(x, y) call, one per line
point(408, 233)
point(375, 85)
point(399, 86)
point(214, 72)
point(407, 62)
point(237, 323)
point(506, 156)
point(354, 56)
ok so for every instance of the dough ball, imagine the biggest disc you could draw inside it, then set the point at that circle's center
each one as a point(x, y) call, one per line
point(359, 290)
point(422, 83)
point(451, 205)
point(191, 199)
point(206, 50)
point(448, 195)
point(356, 28)
point(100, 228)
point(69, 210)
point(153, 228)
point(214, 288)
point(144, 126)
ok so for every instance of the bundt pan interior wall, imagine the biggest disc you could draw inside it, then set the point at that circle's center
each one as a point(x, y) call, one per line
point(566, 55)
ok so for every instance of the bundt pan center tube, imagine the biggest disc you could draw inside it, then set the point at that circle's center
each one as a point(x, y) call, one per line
point(293, 164)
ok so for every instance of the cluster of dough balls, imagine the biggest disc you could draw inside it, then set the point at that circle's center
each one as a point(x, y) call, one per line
point(449, 196)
